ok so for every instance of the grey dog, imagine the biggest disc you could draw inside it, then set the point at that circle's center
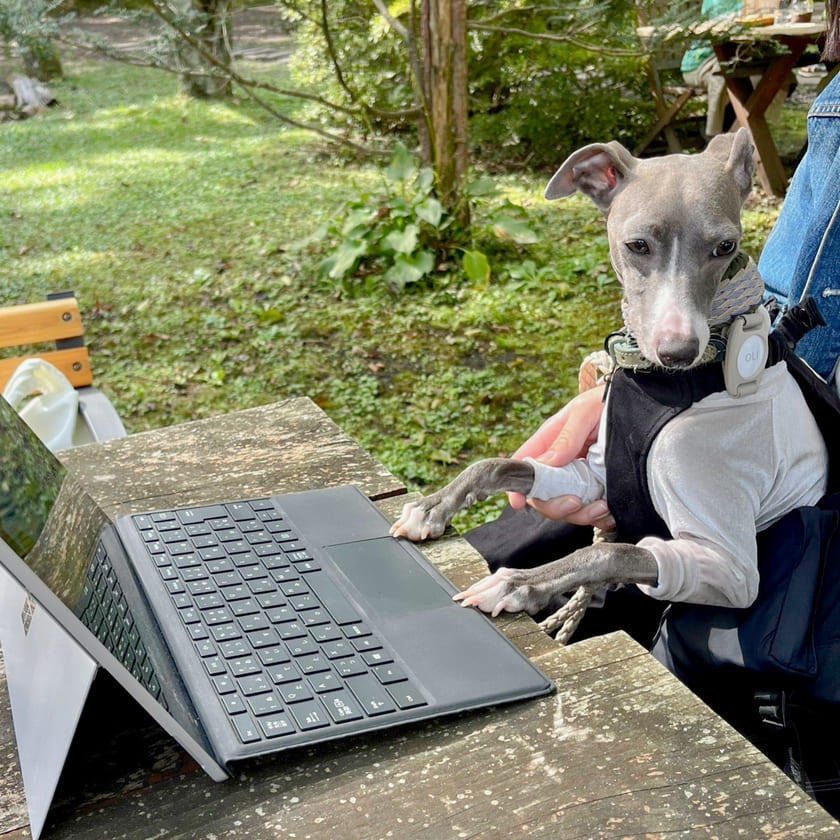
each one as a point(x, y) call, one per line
point(674, 228)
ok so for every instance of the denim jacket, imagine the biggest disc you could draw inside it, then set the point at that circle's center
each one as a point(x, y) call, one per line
point(802, 254)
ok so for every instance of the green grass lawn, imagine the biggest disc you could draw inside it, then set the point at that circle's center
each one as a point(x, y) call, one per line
point(182, 226)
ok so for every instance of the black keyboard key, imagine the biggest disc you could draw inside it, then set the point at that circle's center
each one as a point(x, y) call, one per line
point(224, 684)
point(326, 633)
point(291, 630)
point(332, 598)
point(294, 692)
point(236, 593)
point(245, 728)
point(406, 695)
point(197, 631)
point(232, 649)
point(312, 618)
point(286, 672)
point(219, 615)
point(227, 579)
point(313, 663)
point(271, 599)
point(201, 514)
point(255, 684)
point(276, 725)
point(342, 706)
point(309, 715)
point(248, 606)
point(354, 631)
point(366, 643)
point(209, 601)
point(340, 649)
point(261, 586)
point(233, 703)
point(240, 511)
point(302, 647)
point(206, 648)
point(350, 667)
point(264, 704)
point(323, 683)
point(390, 673)
point(371, 695)
point(214, 666)
point(376, 657)
point(253, 622)
point(244, 667)
point(273, 655)
point(263, 638)
point(225, 632)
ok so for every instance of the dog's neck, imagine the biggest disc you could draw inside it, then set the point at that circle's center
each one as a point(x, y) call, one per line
point(740, 291)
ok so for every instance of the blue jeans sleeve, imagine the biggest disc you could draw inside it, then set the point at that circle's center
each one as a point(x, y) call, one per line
point(802, 255)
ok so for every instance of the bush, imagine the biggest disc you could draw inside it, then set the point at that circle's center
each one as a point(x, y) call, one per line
point(528, 98)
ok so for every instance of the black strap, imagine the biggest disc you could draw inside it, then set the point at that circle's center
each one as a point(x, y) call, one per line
point(639, 405)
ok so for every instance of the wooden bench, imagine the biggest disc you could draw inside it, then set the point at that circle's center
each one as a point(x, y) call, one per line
point(53, 330)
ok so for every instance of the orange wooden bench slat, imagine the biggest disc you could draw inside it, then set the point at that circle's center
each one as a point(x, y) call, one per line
point(73, 363)
point(30, 323)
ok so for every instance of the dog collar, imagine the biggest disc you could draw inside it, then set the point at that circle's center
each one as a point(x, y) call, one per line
point(739, 294)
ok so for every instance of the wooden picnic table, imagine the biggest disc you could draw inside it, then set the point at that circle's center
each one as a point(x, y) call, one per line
point(751, 100)
point(621, 750)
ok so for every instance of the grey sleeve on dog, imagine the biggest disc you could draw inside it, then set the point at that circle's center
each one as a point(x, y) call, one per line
point(575, 479)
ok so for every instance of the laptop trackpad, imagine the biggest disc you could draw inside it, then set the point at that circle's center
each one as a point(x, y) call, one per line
point(388, 577)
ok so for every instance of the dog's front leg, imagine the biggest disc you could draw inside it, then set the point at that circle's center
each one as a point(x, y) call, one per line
point(533, 590)
point(429, 517)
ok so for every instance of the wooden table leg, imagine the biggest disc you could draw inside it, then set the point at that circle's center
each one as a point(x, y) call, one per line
point(750, 104)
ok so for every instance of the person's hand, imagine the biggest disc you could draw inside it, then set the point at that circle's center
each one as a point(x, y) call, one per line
point(562, 438)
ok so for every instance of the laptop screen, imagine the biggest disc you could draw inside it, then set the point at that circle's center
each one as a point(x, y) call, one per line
point(56, 529)
point(45, 516)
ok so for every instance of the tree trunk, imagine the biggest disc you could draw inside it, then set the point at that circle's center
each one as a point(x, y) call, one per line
point(212, 32)
point(444, 26)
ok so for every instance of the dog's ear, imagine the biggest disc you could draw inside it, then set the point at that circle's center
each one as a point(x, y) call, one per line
point(599, 171)
point(736, 152)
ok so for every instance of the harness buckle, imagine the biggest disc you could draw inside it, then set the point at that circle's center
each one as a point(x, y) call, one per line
point(772, 708)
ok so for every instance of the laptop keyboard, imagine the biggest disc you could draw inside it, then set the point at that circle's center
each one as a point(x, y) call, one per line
point(105, 612)
point(282, 646)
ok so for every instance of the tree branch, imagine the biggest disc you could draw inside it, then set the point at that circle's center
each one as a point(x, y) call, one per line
point(392, 22)
point(568, 39)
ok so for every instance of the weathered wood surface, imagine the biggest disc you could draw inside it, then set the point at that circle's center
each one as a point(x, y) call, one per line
point(282, 447)
point(621, 750)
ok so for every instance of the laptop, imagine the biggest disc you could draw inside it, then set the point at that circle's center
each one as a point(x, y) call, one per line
point(251, 626)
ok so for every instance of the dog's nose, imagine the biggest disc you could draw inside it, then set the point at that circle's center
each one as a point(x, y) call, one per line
point(675, 350)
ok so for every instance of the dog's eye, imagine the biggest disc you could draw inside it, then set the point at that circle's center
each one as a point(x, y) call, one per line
point(638, 246)
point(725, 248)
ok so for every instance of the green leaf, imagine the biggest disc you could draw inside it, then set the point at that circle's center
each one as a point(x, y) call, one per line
point(476, 267)
point(482, 187)
point(406, 270)
point(402, 164)
point(425, 179)
point(514, 229)
point(344, 258)
point(356, 219)
point(431, 211)
point(402, 241)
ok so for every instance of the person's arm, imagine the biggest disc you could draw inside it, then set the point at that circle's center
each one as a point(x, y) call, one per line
point(562, 438)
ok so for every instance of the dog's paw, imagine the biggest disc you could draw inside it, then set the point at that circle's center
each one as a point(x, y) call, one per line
point(417, 523)
point(503, 591)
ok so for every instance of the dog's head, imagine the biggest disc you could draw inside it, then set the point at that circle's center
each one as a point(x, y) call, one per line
point(674, 226)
